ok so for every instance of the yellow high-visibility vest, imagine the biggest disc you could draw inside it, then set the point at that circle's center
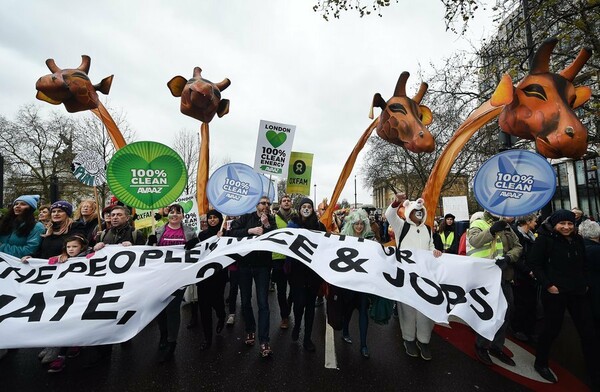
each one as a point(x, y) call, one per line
point(489, 250)
point(447, 241)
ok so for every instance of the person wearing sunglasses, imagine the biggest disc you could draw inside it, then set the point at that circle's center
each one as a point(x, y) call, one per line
point(255, 266)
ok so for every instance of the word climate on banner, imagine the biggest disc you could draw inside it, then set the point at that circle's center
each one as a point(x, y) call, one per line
point(111, 295)
point(273, 148)
point(299, 173)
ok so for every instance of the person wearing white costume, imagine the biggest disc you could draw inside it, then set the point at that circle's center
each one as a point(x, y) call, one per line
point(416, 327)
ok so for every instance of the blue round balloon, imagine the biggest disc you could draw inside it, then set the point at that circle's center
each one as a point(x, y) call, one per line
point(234, 189)
point(514, 183)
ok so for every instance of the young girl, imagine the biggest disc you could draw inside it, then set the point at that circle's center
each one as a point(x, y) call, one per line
point(74, 246)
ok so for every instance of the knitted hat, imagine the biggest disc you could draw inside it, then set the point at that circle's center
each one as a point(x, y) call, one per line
point(306, 200)
point(561, 216)
point(63, 205)
point(31, 200)
point(449, 216)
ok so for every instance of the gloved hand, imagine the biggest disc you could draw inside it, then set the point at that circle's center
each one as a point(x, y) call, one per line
point(152, 240)
point(158, 216)
point(502, 262)
point(191, 243)
point(497, 227)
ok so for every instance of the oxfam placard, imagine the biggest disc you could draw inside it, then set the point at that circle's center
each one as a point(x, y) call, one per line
point(514, 183)
point(234, 189)
point(146, 175)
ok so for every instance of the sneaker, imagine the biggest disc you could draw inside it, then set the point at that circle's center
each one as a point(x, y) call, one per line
point(285, 324)
point(411, 348)
point(364, 351)
point(501, 356)
point(546, 373)
point(265, 350)
point(73, 352)
point(57, 365)
point(51, 355)
point(43, 353)
point(230, 320)
point(425, 350)
point(347, 339)
point(250, 338)
point(483, 356)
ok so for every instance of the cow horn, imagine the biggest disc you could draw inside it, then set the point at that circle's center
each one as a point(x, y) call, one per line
point(197, 72)
point(400, 90)
point(85, 64)
point(421, 93)
point(541, 61)
point(52, 66)
point(572, 70)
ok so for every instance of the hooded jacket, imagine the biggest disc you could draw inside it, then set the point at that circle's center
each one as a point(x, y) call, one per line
point(418, 236)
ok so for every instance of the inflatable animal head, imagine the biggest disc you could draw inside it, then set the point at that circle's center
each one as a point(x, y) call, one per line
point(403, 120)
point(418, 207)
point(541, 107)
point(71, 87)
point(200, 98)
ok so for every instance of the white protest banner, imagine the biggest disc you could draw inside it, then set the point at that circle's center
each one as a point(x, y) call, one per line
point(113, 294)
point(457, 206)
point(273, 148)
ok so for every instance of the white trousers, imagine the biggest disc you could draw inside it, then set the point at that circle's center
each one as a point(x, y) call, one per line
point(414, 324)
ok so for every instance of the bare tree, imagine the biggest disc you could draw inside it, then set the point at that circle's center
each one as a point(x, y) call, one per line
point(187, 145)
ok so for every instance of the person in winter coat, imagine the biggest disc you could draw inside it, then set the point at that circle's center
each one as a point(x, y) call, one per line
point(524, 285)
point(558, 262)
point(304, 282)
point(590, 231)
point(416, 327)
point(282, 217)
point(211, 291)
point(20, 234)
point(446, 238)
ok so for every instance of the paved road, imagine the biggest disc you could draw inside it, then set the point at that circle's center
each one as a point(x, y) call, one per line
point(230, 365)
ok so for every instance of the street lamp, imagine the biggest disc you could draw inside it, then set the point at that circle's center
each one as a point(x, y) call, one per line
point(355, 192)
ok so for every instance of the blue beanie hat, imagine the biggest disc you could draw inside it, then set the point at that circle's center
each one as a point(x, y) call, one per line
point(31, 200)
point(63, 205)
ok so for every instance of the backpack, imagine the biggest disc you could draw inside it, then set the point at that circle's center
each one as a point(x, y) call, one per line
point(404, 232)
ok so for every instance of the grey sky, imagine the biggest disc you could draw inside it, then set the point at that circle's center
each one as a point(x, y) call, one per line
point(286, 64)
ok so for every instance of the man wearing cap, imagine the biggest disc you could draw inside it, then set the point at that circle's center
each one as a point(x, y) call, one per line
point(491, 237)
point(20, 233)
point(255, 266)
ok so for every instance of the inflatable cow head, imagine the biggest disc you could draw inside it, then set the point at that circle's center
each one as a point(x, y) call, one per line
point(71, 87)
point(541, 106)
point(200, 98)
point(403, 120)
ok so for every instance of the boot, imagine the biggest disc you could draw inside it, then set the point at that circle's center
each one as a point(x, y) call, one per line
point(167, 355)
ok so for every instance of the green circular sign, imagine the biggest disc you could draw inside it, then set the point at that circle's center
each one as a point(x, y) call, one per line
point(146, 175)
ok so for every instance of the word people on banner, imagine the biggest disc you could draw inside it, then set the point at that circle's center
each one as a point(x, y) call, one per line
point(514, 183)
point(110, 296)
point(273, 148)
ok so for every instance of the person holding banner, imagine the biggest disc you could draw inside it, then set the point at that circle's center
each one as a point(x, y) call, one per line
point(412, 232)
point(282, 217)
point(491, 237)
point(44, 215)
point(304, 282)
point(255, 266)
point(356, 224)
point(211, 291)
point(174, 232)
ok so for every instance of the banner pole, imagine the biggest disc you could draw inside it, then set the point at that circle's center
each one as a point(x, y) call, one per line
point(99, 210)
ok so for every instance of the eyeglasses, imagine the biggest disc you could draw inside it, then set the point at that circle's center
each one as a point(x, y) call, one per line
point(265, 203)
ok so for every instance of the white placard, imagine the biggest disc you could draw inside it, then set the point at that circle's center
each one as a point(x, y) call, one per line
point(273, 148)
point(457, 206)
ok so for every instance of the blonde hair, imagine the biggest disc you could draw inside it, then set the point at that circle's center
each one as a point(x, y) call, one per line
point(93, 216)
point(64, 228)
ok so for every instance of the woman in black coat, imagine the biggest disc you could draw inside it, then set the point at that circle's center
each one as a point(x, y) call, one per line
point(558, 262)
